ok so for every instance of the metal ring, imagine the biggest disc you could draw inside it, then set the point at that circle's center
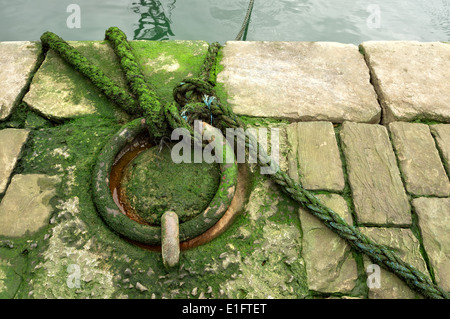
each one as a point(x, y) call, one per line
point(151, 235)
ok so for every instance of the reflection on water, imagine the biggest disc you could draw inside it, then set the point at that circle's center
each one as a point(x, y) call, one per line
point(220, 20)
point(154, 21)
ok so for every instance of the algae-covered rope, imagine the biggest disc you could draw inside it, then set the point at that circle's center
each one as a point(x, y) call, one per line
point(92, 72)
point(201, 85)
point(148, 101)
point(224, 117)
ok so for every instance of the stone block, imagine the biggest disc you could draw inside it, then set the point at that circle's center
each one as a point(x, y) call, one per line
point(375, 181)
point(11, 144)
point(329, 262)
point(26, 207)
point(434, 222)
point(419, 159)
point(411, 79)
point(17, 62)
point(319, 162)
point(301, 81)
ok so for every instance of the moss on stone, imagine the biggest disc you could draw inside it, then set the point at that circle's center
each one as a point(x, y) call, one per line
point(261, 121)
point(166, 63)
point(153, 184)
point(111, 267)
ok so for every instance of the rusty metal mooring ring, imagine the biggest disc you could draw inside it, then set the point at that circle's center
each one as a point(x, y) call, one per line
point(151, 235)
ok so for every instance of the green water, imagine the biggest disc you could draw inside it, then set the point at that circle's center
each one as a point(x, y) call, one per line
point(347, 21)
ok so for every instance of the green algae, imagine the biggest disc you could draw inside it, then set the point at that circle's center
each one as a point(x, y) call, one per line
point(153, 185)
point(428, 121)
point(67, 150)
point(17, 118)
point(258, 256)
point(148, 102)
point(79, 236)
point(262, 121)
point(12, 266)
point(219, 87)
point(56, 75)
point(166, 63)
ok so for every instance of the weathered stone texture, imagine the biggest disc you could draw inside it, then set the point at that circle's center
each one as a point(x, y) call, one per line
point(26, 206)
point(441, 133)
point(299, 80)
point(329, 262)
point(411, 79)
point(11, 144)
point(434, 222)
point(319, 162)
point(17, 61)
point(283, 146)
point(377, 188)
point(58, 91)
point(407, 247)
point(419, 159)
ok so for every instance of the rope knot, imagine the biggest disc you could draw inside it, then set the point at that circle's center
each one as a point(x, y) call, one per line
point(192, 90)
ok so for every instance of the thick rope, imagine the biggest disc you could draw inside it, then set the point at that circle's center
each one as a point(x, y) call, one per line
point(148, 101)
point(72, 56)
point(246, 22)
point(224, 117)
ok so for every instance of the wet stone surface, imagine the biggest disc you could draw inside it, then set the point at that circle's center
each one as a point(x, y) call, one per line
point(318, 162)
point(434, 221)
point(441, 133)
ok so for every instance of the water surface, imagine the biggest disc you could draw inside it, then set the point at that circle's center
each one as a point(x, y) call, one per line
point(346, 21)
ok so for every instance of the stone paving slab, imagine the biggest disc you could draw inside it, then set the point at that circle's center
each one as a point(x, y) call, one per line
point(377, 188)
point(441, 133)
point(11, 144)
point(411, 79)
point(17, 61)
point(59, 92)
point(319, 163)
point(329, 262)
point(302, 81)
point(407, 247)
point(419, 159)
point(25, 207)
point(434, 222)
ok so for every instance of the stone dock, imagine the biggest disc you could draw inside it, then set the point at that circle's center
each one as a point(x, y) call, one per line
point(366, 128)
